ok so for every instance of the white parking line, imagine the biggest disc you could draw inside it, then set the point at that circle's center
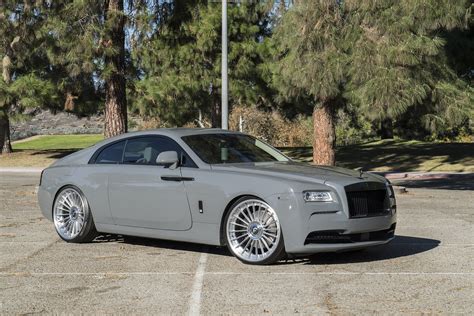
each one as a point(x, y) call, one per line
point(200, 273)
point(195, 300)
point(430, 244)
point(441, 244)
point(343, 273)
point(95, 274)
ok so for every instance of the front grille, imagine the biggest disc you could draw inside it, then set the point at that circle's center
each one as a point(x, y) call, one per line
point(368, 203)
point(337, 236)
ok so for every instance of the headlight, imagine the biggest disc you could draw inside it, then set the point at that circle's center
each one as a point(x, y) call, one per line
point(391, 192)
point(317, 196)
point(391, 196)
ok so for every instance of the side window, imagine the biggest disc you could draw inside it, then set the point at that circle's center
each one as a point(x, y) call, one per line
point(140, 151)
point(145, 150)
point(112, 154)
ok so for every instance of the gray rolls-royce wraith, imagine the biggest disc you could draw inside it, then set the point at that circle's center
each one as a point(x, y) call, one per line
point(215, 187)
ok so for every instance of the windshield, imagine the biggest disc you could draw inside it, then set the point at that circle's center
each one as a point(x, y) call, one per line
point(231, 148)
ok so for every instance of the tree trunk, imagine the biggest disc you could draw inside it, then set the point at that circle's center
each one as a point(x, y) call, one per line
point(216, 111)
point(6, 69)
point(115, 90)
point(282, 8)
point(70, 104)
point(5, 144)
point(324, 134)
point(386, 129)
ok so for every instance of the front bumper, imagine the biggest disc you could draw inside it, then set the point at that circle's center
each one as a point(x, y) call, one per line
point(299, 220)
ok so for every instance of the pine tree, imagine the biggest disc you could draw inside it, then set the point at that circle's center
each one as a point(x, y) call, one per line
point(71, 58)
point(451, 107)
point(115, 89)
point(88, 41)
point(382, 55)
point(24, 82)
point(181, 66)
point(407, 70)
point(313, 65)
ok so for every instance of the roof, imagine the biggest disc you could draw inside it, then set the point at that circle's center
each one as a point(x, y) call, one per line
point(170, 132)
point(187, 131)
point(83, 156)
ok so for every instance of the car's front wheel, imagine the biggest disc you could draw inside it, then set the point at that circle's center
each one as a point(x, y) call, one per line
point(253, 232)
point(72, 217)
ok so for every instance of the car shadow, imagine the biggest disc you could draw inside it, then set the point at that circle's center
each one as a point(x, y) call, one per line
point(401, 246)
point(161, 243)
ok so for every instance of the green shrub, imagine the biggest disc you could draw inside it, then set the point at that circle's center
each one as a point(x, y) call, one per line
point(352, 128)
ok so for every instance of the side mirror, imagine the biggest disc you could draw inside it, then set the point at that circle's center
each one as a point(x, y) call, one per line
point(168, 158)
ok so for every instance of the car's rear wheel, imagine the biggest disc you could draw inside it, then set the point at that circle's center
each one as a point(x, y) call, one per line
point(72, 217)
point(253, 232)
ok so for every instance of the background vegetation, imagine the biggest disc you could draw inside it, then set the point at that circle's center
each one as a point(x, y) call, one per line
point(301, 73)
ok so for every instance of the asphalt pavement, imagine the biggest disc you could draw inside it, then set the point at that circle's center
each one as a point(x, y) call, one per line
point(428, 268)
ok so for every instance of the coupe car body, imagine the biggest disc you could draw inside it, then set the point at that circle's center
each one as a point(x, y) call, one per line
point(215, 187)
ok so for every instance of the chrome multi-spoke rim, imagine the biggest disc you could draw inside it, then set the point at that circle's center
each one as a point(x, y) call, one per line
point(253, 230)
point(69, 213)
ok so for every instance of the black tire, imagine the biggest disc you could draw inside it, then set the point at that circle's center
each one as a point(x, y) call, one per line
point(277, 253)
point(87, 231)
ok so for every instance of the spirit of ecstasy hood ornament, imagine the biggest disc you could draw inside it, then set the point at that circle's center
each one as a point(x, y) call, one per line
point(361, 172)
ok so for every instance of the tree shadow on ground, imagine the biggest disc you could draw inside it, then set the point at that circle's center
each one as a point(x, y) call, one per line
point(395, 155)
point(450, 182)
point(401, 246)
point(52, 153)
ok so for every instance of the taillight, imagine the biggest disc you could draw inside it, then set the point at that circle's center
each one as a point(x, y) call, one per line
point(41, 177)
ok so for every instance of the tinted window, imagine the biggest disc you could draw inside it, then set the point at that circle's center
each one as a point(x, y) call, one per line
point(111, 154)
point(145, 150)
point(231, 148)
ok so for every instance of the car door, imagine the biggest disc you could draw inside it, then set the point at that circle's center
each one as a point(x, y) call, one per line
point(144, 194)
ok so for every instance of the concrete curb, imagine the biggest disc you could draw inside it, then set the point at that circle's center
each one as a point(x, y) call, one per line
point(21, 170)
point(399, 189)
point(425, 175)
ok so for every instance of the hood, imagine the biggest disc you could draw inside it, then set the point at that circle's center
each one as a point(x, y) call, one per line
point(302, 172)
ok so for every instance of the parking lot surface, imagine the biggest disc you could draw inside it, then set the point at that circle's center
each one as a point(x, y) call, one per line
point(428, 268)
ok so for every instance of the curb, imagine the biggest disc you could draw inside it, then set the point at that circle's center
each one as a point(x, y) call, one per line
point(21, 170)
point(425, 175)
point(399, 189)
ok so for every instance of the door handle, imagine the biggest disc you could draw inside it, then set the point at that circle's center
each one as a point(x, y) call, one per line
point(176, 179)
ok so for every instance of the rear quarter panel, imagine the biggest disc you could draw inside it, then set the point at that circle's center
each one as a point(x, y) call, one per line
point(51, 182)
point(90, 179)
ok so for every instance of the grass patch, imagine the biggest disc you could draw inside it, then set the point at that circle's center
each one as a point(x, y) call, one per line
point(57, 142)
